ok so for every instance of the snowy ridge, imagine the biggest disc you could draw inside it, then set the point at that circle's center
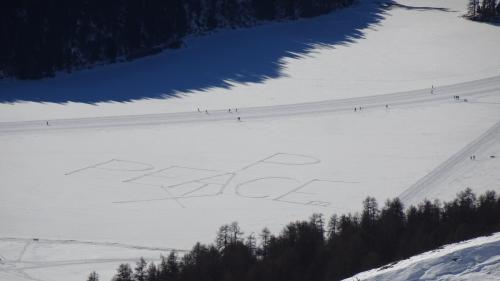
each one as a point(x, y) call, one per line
point(475, 259)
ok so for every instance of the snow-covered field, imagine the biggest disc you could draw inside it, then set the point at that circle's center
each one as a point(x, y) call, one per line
point(109, 182)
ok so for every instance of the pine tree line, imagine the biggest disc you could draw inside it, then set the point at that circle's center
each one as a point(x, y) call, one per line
point(320, 249)
point(41, 37)
point(485, 10)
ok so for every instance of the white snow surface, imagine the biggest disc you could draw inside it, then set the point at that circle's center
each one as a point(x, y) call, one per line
point(88, 186)
point(475, 259)
point(354, 52)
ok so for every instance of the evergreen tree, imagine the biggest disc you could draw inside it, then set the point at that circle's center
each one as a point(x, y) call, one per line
point(235, 232)
point(370, 213)
point(171, 271)
point(265, 238)
point(318, 222)
point(93, 276)
point(392, 223)
point(163, 269)
point(486, 10)
point(251, 243)
point(152, 272)
point(140, 273)
point(472, 8)
point(124, 273)
point(332, 227)
point(223, 237)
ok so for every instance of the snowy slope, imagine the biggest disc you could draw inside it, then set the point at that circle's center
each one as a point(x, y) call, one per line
point(476, 259)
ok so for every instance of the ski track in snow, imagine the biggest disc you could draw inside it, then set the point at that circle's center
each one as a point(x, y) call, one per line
point(69, 241)
point(418, 190)
point(28, 243)
point(18, 267)
point(488, 86)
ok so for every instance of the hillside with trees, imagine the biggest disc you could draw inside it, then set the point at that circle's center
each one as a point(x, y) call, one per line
point(42, 37)
point(484, 10)
point(327, 249)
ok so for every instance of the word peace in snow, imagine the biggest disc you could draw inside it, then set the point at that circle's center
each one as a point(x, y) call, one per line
point(179, 182)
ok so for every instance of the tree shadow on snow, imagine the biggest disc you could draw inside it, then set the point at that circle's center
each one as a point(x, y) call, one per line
point(249, 55)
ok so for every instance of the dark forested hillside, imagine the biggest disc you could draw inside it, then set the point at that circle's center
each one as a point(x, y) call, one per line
point(327, 249)
point(41, 37)
point(484, 10)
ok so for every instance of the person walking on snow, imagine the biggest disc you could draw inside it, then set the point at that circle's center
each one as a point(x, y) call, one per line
point(432, 89)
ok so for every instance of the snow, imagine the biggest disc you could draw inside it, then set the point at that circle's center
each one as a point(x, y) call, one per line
point(110, 181)
point(360, 51)
point(57, 259)
point(476, 259)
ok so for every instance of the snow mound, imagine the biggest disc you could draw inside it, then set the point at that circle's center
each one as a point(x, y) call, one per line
point(476, 259)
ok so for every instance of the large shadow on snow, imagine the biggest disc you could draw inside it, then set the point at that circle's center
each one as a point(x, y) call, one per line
point(243, 55)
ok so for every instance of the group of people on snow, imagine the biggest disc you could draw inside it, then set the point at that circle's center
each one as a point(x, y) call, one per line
point(229, 111)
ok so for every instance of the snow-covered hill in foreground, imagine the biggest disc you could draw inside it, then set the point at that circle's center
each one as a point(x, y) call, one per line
point(473, 260)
